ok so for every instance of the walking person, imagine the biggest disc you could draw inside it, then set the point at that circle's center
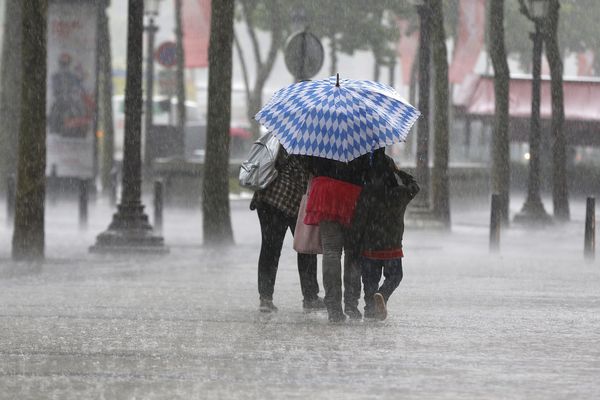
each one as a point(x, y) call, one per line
point(377, 230)
point(277, 208)
point(334, 122)
point(332, 198)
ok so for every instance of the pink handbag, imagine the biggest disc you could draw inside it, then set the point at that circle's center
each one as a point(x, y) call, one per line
point(307, 238)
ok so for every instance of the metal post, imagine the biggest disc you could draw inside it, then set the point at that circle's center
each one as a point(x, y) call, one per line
point(130, 230)
point(83, 203)
point(589, 248)
point(158, 204)
point(495, 223)
point(11, 191)
point(533, 210)
point(151, 30)
point(422, 167)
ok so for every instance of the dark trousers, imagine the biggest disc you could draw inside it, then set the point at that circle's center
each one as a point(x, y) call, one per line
point(371, 275)
point(273, 226)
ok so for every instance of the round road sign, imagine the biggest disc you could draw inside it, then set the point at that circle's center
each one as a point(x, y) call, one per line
point(304, 55)
point(166, 54)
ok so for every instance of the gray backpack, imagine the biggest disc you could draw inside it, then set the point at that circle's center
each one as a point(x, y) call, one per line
point(259, 169)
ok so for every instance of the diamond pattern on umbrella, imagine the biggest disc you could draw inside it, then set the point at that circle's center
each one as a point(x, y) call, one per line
point(338, 122)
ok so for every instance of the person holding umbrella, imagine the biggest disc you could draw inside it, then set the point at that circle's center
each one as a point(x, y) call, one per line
point(277, 209)
point(334, 192)
point(334, 122)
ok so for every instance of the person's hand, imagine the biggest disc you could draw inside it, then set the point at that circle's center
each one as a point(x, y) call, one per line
point(413, 188)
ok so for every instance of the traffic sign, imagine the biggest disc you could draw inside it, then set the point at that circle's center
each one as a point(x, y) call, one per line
point(304, 55)
point(166, 54)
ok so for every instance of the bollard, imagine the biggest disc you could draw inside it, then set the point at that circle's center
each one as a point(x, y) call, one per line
point(589, 247)
point(158, 204)
point(495, 223)
point(83, 203)
point(113, 187)
point(11, 192)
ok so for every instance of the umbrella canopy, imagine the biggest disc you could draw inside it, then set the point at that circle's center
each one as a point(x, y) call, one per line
point(337, 119)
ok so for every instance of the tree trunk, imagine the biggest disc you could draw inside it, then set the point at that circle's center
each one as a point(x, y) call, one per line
point(254, 106)
point(215, 204)
point(439, 179)
point(28, 236)
point(10, 90)
point(181, 111)
point(106, 93)
point(376, 69)
point(500, 139)
point(422, 172)
point(392, 71)
point(560, 191)
point(412, 99)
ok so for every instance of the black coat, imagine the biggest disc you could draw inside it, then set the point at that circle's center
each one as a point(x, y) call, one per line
point(351, 172)
point(378, 222)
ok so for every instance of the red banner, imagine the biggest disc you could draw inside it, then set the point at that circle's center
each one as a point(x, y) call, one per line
point(407, 48)
point(196, 32)
point(471, 35)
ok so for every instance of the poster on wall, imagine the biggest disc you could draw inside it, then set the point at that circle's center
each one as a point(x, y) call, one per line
point(71, 90)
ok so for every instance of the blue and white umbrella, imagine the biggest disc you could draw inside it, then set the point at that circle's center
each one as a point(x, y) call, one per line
point(337, 119)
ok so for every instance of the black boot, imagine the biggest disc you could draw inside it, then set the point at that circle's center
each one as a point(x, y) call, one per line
point(336, 314)
point(267, 306)
point(313, 304)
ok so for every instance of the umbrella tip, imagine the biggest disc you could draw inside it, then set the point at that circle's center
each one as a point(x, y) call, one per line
point(337, 81)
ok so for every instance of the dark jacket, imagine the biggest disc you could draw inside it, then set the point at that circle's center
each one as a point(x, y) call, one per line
point(286, 191)
point(351, 172)
point(378, 222)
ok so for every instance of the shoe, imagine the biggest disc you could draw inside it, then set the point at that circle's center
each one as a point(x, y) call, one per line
point(352, 312)
point(267, 306)
point(380, 308)
point(313, 304)
point(336, 315)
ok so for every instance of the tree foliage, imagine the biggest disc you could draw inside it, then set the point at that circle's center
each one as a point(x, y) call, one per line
point(348, 25)
point(578, 30)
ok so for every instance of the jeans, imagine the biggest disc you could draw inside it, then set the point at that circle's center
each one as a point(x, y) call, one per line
point(332, 239)
point(371, 275)
point(273, 226)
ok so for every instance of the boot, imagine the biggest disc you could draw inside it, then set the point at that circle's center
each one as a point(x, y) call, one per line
point(352, 312)
point(267, 306)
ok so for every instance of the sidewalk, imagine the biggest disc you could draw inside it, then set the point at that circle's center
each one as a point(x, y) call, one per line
point(463, 324)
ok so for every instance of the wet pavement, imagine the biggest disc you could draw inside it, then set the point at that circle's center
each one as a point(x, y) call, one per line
point(524, 324)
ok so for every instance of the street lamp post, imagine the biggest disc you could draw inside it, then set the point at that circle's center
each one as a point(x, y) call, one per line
point(151, 10)
point(533, 210)
point(130, 230)
point(422, 162)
